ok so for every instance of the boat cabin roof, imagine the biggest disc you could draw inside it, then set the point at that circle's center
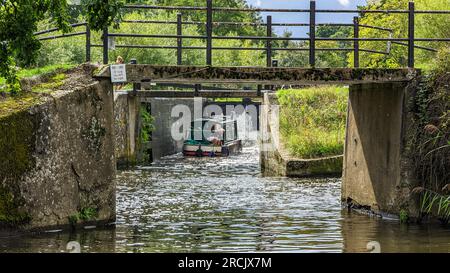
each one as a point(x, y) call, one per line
point(221, 119)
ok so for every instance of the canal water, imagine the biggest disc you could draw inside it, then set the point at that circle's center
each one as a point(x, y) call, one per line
point(224, 205)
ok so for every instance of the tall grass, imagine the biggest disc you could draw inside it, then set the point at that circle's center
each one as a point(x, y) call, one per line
point(312, 120)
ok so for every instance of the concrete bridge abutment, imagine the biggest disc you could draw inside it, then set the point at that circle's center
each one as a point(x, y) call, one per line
point(376, 174)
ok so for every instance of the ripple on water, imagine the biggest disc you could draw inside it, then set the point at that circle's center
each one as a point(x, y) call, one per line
point(223, 204)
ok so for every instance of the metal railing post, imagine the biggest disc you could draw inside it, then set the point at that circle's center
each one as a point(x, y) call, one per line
point(136, 86)
point(179, 40)
point(197, 88)
point(356, 42)
point(88, 43)
point(411, 36)
point(312, 33)
point(269, 42)
point(209, 19)
point(105, 46)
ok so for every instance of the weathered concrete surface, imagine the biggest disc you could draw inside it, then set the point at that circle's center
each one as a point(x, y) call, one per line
point(260, 75)
point(126, 121)
point(60, 153)
point(274, 157)
point(375, 168)
point(127, 127)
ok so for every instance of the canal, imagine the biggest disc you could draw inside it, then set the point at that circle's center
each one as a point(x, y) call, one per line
point(224, 205)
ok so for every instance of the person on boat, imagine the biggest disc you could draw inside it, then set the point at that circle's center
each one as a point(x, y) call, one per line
point(217, 135)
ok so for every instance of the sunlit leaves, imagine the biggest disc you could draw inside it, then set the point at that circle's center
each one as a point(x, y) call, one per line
point(102, 13)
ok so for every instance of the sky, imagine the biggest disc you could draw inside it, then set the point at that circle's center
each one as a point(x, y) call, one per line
point(304, 17)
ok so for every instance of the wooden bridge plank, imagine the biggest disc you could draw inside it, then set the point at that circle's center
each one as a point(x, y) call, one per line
point(261, 75)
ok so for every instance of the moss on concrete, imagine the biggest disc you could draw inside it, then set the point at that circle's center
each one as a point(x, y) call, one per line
point(53, 84)
point(11, 105)
point(16, 144)
point(10, 214)
point(262, 75)
point(16, 147)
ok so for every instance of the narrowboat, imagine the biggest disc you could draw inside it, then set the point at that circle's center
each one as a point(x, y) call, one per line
point(212, 137)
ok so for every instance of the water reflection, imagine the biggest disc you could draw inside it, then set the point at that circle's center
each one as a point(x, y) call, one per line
point(222, 205)
point(358, 230)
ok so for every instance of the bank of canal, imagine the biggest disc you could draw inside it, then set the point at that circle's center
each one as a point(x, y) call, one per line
point(224, 205)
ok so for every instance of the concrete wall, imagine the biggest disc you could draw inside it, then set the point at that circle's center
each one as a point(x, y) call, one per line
point(126, 117)
point(162, 142)
point(62, 159)
point(374, 163)
point(274, 157)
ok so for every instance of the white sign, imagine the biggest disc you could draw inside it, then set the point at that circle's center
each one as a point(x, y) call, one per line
point(118, 73)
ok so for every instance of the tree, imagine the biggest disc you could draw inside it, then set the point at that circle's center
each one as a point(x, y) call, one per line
point(427, 26)
point(19, 20)
point(229, 16)
point(333, 58)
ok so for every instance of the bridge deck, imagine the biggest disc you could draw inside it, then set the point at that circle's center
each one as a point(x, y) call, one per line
point(260, 75)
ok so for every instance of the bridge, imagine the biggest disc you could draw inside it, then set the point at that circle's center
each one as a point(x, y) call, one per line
point(375, 167)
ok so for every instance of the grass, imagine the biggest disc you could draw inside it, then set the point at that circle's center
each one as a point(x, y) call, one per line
point(313, 120)
point(27, 73)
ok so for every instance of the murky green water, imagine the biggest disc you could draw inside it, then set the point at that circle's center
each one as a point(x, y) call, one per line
point(224, 205)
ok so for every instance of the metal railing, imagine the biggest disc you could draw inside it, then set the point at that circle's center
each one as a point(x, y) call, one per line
point(269, 38)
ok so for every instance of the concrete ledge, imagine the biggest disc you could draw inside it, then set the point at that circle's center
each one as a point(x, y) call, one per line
point(327, 166)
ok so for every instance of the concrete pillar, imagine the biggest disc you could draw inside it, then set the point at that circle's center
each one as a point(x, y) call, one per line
point(126, 127)
point(133, 124)
point(374, 147)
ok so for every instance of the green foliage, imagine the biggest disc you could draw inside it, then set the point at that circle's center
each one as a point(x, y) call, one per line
point(427, 26)
point(66, 51)
point(8, 70)
point(333, 58)
point(18, 22)
point(27, 73)
point(85, 214)
point(312, 121)
point(404, 216)
point(229, 16)
point(429, 141)
point(102, 13)
point(147, 122)
point(433, 202)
